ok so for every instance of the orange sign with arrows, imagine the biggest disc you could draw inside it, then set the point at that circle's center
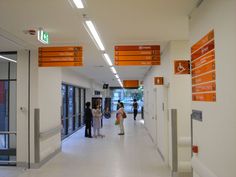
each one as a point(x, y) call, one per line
point(131, 83)
point(137, 55)
point(60, 56)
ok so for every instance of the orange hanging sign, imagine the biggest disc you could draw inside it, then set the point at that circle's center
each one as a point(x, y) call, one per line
point(136, 63)
point(60, 56)
point(137, 55)
point(131, 83)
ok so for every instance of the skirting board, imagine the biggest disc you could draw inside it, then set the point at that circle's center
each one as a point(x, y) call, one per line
point(180, 174)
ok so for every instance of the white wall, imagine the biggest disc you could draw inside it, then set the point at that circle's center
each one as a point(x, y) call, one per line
point(22, 101)
point(71, 77)
point(153, 96)
point(180, 98)
point(176, 96)
point(215, 136)
point(49, 88)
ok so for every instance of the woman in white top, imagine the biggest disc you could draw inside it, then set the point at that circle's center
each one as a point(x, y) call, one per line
point(97, 121)
point(120, 114)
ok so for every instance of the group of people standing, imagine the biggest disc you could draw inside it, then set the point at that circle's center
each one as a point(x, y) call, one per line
point(93, 118)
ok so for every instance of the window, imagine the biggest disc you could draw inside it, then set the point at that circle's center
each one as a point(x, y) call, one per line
point(73, 101)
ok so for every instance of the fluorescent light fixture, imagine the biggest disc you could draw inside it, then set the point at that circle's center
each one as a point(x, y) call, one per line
point(113, 70)
point(121, 84)
point(8, 59)
point(117, 77)
point(108, 60)
point(79, 4)
point(95, 34)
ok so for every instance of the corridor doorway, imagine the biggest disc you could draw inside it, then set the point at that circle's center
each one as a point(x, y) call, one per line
point(127, 96)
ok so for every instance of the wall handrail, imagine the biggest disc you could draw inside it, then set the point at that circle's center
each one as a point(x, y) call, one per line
point(49, 133)
point(8, 132)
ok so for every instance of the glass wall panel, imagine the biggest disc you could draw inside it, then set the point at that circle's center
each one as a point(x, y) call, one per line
point(73, 102)
point(4, 70)
point(7, 112)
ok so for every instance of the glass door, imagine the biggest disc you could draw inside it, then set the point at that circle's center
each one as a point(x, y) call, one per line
point(70, 109)
point(8, 111)
point(64, 113)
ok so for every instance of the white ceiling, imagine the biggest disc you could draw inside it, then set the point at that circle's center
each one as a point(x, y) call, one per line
point(118, 22)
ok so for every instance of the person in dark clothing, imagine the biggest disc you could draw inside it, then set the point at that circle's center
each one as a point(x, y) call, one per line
point(88, 118)
point(118, 105)
point(135, 108)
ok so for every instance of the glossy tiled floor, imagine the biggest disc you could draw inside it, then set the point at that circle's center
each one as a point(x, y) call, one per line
point(132, 155)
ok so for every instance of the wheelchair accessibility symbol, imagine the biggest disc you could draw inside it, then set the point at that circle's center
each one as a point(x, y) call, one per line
point(182, 67)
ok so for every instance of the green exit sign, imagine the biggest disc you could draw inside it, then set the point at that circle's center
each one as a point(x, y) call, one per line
point(43, 37)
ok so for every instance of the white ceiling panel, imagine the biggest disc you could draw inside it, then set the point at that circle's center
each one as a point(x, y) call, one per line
point(119, 22)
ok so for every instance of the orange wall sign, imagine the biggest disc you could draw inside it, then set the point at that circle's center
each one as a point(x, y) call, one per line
point(211, 86)
point(131, 83)
point(203, 41)
point(210, 97)
point(182, 66)
point(204, 78)
point(137, 55)
point(60, 56)
point(203, 69)
point(159, 80)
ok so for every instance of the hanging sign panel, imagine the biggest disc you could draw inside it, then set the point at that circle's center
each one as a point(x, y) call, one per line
point(136, 63)
point(131, 83)
point(203, 69)
point(159, 80)
point(137, 55)
point(60, 56)
point(182, 66)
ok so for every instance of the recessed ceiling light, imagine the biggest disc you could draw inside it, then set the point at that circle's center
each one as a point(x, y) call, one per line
point(94, 34)
point(108, 60)
point(79, 4)
point(113, 70)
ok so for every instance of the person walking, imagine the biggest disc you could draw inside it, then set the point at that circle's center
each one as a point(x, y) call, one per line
point(121, 115)
point(88, 118)
point(97, 114)
point(135, 108)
